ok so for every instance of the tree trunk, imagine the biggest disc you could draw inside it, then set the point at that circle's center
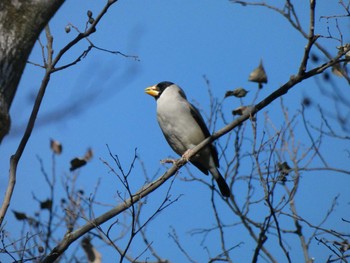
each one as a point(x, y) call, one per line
point(21, 22)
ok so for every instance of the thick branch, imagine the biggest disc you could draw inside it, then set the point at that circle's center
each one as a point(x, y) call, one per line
point(71, 237)
point(20, 25)
point(145, 191)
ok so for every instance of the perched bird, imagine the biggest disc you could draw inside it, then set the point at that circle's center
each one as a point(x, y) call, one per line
point(184, 128)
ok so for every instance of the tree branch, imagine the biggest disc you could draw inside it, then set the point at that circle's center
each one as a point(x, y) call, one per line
point(148, 189)
point(21, 23)
point(49, 69)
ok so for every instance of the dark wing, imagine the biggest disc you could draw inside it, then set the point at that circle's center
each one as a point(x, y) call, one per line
point(199, 119)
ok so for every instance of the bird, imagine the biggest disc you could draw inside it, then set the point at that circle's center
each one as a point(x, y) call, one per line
point(184, 128)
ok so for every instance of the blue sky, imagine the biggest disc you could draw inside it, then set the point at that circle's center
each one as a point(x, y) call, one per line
point(179, 41)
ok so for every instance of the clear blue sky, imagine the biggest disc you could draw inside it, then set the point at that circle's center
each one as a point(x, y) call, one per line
point(178, 41)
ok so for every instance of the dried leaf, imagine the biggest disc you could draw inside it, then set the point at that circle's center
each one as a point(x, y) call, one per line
point(306, 102)
point(81, 161)
point(343, 246)
point(47, 204)
point(239, 93)
point(89, 13)
point(258, 75)
point(88, 155)
point(283, 167)
point(67, 29)
point(77, 163)
point(56, 146)
point(240, 110)
point(284, 170)
point(19, 215)
point(41, 249)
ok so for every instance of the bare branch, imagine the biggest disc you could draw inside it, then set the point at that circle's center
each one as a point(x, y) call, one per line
point(49, 69)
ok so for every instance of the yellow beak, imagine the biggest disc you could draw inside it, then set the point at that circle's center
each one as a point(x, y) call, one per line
point(152, 90)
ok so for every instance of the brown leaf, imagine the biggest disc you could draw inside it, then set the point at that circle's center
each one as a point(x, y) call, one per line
point(88, 155)
point(240, 110)
point(19, 215)
point(284, 170)
point(238, 92)
point(47, 204)
point(81, 161)
point(258, 75)
point(77, 163)
point(56, 146)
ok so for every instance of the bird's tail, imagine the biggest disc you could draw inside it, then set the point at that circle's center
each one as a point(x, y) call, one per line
point(224, 189)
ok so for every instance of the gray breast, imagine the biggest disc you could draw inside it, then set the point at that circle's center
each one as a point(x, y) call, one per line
point(177, 123)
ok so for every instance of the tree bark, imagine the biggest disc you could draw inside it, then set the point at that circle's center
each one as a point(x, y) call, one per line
point(21, 22)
